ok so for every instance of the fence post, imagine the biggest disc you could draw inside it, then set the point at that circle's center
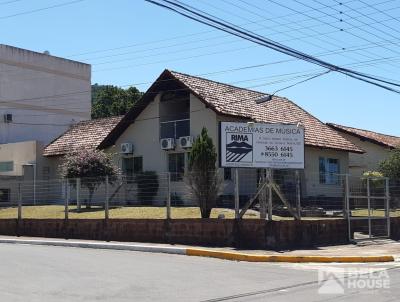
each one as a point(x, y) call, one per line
point(78, 193)
point(66, 203)
point(347, 213)
point(237, 206)
point(168, 195)
point(387, 191)
point(369, 207)
point(106, 205)
point(298, 194)
point(19, 203)
point(263, 196)
point(270, 179)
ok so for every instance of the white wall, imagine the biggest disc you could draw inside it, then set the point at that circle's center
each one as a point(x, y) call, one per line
point(41, 89)
point(369, 161)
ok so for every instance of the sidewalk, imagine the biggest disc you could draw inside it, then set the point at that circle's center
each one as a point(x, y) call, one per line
point(367, 251)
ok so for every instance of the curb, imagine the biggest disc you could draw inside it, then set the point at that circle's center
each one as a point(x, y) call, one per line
point(286, 258)
point(203, 252)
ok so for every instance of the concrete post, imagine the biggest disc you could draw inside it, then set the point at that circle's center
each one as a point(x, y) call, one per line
point(168, 195)
point(369, 207)
point(66, 202)
point(237, 205)
point(19, 203)
point(78, 194)
point(106, 205)
point(387, 204)
point(298, 194)
point(270, 179)
point(263, 196)
point(347, 213)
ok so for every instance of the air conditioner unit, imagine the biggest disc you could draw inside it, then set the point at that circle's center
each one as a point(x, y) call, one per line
point(8, 118)
point(127, 148)
point(186, 141)
point(167, 143)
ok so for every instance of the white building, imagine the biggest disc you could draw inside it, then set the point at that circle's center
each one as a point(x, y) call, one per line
point(179, 105)
point(41, 96)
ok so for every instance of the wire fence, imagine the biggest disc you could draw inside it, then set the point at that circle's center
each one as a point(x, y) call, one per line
point(277, 195)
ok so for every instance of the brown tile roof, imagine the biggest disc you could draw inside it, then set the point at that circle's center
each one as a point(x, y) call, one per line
point(374, 137)
point(233, 101)
point(85, 134)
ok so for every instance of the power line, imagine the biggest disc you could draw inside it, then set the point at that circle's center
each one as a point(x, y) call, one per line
point(41, 9)
point(218, 23)
point(9, 2)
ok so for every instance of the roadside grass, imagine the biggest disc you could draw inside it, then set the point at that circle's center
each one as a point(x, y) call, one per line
point(57, 212)
point(146, 212)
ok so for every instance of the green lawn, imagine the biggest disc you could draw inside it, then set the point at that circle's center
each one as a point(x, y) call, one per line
point(57, 211)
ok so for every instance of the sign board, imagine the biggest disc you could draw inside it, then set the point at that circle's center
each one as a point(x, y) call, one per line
point(252, 145)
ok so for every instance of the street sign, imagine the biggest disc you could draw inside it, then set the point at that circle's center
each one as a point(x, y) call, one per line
point(253, 145)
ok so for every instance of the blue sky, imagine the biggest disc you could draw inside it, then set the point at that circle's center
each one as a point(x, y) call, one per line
point(132, 42)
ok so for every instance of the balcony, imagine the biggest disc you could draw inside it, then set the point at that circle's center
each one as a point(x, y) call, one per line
point(175, 129)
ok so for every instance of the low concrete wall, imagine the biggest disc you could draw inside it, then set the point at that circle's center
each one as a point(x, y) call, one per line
point(247, 233)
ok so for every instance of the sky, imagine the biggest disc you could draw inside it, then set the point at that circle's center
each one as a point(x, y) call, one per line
point(132, 42)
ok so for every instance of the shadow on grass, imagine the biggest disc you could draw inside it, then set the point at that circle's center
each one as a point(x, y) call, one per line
point(90, 210)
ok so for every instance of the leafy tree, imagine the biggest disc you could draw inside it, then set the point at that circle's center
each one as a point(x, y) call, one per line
point(391, 166)
point(108, 100)
point(91, 167)
point(202, 177)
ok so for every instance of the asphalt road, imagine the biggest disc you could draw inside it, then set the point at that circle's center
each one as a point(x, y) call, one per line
point(40, 273)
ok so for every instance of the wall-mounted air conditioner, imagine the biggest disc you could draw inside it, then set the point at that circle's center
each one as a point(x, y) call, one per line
point(127, 148)
point(167, 143)
point(186, 141)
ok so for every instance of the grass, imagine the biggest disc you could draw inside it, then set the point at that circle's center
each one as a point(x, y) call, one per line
point(57, 212)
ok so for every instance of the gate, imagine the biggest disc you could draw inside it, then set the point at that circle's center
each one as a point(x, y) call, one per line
point(368, 208)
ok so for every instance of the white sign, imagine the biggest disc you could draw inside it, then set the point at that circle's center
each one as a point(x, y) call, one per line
point(278, 146)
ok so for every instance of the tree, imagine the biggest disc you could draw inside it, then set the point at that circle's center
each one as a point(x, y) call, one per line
point(91, 167)
point(202, 177)
point(108, 100)
point(391, 166)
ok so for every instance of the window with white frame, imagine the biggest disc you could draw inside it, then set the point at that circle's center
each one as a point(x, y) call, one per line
point(176, 165)
point(329, 169)
point(6, 166)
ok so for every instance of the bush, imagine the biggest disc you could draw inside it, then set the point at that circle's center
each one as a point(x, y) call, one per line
point(147, 185)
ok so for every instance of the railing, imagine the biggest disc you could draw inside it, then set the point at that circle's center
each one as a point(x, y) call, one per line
point(175, 129)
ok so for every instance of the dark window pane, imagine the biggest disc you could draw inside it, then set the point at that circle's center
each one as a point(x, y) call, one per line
point(138, 164)
point(176, 165)
point(182, 128)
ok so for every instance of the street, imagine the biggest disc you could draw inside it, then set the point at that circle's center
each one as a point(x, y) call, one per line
point(46, 273)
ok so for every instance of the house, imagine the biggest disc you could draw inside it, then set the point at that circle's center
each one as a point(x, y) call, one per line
point(376, 146)
point(83, 135)
point(41, 96)
point(180, 105)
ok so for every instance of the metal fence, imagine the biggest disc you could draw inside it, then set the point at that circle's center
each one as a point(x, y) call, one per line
point(278, 195)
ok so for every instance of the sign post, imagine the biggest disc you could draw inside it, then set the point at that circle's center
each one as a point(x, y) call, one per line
point(265, 146)
point(252, 145)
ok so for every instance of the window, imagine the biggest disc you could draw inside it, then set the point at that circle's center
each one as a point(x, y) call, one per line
point(227, 173)
point(127, 167)
point(137, 164)
point(132, 166)
point(6, 166)
point(328, 171)
point(4, 195)
point(176, 165)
